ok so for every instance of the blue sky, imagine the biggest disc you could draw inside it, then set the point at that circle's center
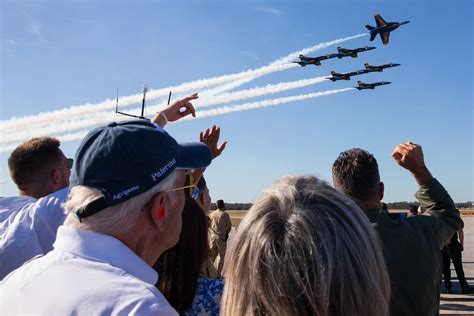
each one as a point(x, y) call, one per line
point(58, 54)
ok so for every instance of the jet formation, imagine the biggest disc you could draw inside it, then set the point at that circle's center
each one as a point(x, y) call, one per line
point(342, 52)
point(363, 86)
point(383, 28)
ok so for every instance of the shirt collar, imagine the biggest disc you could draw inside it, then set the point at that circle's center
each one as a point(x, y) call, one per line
point(104, 248)
point(373, 214)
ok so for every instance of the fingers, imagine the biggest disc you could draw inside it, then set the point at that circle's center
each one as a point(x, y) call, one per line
point(221, 148)
point(193, 96)
point(189, 109)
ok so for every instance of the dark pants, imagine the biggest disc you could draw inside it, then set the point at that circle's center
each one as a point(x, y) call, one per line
point(453, 251)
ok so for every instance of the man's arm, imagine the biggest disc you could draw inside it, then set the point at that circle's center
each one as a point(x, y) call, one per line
point(431, 194)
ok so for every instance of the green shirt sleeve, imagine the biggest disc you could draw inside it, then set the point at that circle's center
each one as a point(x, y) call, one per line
point(439, 206)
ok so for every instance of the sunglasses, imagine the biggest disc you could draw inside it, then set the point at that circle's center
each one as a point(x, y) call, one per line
point(70, 161)
point(188, 185)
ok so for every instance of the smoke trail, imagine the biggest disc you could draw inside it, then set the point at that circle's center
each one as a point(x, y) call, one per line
point(265, 103)
point(214, 112)
point(105, 117)
point(80, 110)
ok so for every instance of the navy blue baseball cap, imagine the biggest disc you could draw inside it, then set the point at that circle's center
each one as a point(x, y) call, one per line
point(123, 160)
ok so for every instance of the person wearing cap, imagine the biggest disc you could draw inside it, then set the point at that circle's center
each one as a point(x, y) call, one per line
point(220, 226)
point(123, 211)
point(411, 246)
point(28, 222)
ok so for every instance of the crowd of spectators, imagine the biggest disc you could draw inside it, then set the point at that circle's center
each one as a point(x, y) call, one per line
point(128, 231)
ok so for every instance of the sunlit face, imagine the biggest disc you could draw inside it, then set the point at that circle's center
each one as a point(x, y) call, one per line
point(64, 171)
point(205, 200)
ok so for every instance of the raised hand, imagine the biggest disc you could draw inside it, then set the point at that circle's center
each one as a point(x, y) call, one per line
point(211, 138)
point(176, 111)
point(410, 157)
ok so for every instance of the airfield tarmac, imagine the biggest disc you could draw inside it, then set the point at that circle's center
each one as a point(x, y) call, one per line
point(451, 304)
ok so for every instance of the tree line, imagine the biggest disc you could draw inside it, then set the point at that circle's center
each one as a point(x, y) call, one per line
point(404, 205)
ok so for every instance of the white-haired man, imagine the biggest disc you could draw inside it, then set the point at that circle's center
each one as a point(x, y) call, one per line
point(124, 210)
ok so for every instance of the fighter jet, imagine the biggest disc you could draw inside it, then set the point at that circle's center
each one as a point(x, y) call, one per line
point(380, 68)
point(313, 60)
point(363, 86)
point(344, 52)
point(345, 76)
point(383, 28)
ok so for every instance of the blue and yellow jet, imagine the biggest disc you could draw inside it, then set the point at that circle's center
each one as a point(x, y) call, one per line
point(363, 86)
point(383, 28)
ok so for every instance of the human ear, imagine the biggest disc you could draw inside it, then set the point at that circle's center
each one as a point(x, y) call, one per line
point(55, 177)
point(381, 190)
point(158, 211)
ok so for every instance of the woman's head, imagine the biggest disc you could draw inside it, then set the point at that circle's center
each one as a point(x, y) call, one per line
point(179, 267)
point(305, 249)
point(203, 198)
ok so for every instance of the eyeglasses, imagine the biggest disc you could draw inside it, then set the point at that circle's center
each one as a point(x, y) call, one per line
point(70, 162)
point(187, 186)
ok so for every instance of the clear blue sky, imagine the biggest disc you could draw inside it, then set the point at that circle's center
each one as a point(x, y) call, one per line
point(55, 54)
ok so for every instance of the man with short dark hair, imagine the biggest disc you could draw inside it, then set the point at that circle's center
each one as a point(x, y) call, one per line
point(28, 223)
point(411, 246)
point(220, 227)
point(38, 167)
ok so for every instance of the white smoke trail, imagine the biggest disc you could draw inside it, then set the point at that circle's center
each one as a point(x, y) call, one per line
point(214, 112)
point(105, 117)
point(265, 103)
point(16, 123)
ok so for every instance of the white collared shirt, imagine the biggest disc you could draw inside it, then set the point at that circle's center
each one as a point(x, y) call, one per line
point(87, 273)
point(28, 227)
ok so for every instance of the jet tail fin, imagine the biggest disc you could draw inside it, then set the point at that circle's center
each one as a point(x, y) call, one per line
point(372, 36)
point(370, 28)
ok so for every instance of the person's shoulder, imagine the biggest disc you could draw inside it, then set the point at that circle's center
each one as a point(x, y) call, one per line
point(15, 206)
point(212, 284)
point(214, 214)
point(15, 202)
point(208, 297)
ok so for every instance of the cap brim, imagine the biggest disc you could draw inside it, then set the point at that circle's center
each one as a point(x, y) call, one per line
point(193, 156)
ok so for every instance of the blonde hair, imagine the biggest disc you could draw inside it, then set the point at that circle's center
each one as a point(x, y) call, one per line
point(305, 249)
point(115, 218)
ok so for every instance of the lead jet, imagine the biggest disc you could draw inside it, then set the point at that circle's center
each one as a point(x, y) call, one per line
point(380, 68)
point(344, 52)
point(363, 86)
point(313, 60)
point(383, 28)
point(346, 75)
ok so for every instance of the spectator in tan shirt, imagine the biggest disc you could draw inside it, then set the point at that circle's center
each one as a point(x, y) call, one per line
point(219, 228)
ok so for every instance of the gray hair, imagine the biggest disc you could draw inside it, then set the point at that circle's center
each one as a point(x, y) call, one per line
point(115, 218)
point(305, 249)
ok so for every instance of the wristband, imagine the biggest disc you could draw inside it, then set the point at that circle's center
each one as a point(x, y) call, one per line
point(163, 115)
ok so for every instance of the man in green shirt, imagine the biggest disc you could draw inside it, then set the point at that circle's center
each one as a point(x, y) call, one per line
point(411, 246)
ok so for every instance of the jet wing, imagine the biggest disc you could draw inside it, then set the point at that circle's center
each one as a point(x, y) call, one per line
point(380, 22)
point(344, 50)
point(385, 37)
